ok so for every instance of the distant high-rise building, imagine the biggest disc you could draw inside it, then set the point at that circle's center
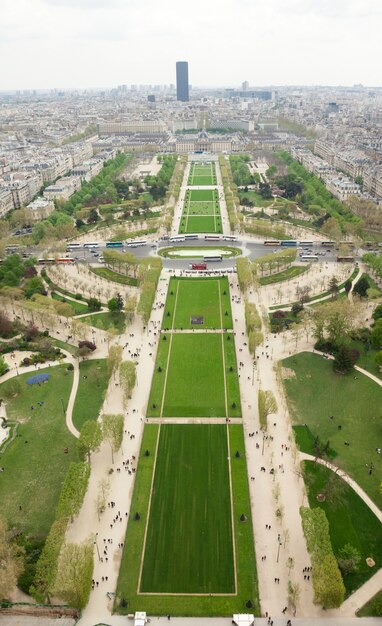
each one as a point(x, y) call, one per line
point(245, 86)
point(182, 81)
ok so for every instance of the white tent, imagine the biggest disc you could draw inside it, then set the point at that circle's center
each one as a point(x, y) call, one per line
point(243, 619)
point(140, 618)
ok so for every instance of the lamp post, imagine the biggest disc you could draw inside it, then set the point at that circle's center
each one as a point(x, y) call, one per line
point(253, 372)
point(63, 406)
point(278, 549)
point(96, 545)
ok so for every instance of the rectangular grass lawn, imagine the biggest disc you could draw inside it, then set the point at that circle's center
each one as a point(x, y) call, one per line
point(201, 208)
point(127, 598)
point(195, 377)
point(195, 381)
point(205, 297)
point(202, 195)
point(201, 224)
point(189, 542)
point(316, 393)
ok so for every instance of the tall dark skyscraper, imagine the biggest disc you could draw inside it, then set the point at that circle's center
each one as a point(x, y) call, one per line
point(182, 81)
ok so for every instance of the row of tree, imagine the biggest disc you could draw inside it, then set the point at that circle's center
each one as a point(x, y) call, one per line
point(66, 569)
point(328, 586)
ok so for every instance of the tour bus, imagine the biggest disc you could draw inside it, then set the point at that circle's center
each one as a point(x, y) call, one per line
point(74, 246)
point(189, 237)
point(68, 260)
point(177, 238)
point(328, 244)
point(212, 258)
point(136, 244)
point(271, 242)
point(46, 261)
point(91, 244)
point(345, 259)
point(212, 237)
point(114, 244)
point(288, 243)
point(306, 243)
point(198, 266)
point(230, 238)
point(309, 257)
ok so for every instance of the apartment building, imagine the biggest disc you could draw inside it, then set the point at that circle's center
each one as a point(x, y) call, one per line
point(6, 202)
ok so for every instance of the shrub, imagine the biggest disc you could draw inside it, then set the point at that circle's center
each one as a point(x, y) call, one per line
point(87, 344)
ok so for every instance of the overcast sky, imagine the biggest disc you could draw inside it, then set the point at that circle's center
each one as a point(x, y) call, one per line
point(103, 43)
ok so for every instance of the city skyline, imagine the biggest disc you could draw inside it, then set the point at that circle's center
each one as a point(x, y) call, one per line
point(89, 43)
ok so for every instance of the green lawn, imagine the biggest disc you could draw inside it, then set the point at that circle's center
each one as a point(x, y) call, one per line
point(133, 547)
point(77, 306)
point(106, 320)
point(202, 175)
point(203, 224)
point(65, 346)
point(199, 181)
point(315, 393)
point(350, 519)
point(91, 391)
point(195, 377)
point(35, 463)
point(202, 195)
point(189, 539)
point(287, 274)
point(372, 608)
point(201, 208)
point(207, 297)
point(114, 277)
point(256, 198)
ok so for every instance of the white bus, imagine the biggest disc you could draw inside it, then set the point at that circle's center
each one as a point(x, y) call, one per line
point(91, 244)
point(230, 238)
point(212, 237)
point(306, 243)
point(136, 244)
point(177, 238)
point(73, 246)
point(309, 257)
point(188, 237)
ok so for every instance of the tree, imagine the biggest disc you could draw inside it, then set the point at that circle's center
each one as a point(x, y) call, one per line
point(294, 592)
point(361, 287)
point(331, 229)
point(378, 359)
point(115, 304)
point(345, 359)
point(102, 494)
point(90, 439)
point(3, 366)
point(130, 306)
point(94, 304)
point(333, 286)
point(74, 573)
point(348, 559)
point(376, 335)
point(11, 562)
point(73, 490)
point(114, 359)
point(377, 313)
point(127, 377)
point(112, 430)
point(267, 404)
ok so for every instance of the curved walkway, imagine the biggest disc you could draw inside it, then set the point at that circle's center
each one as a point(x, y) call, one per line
point(353, 484)
point(76, 372)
